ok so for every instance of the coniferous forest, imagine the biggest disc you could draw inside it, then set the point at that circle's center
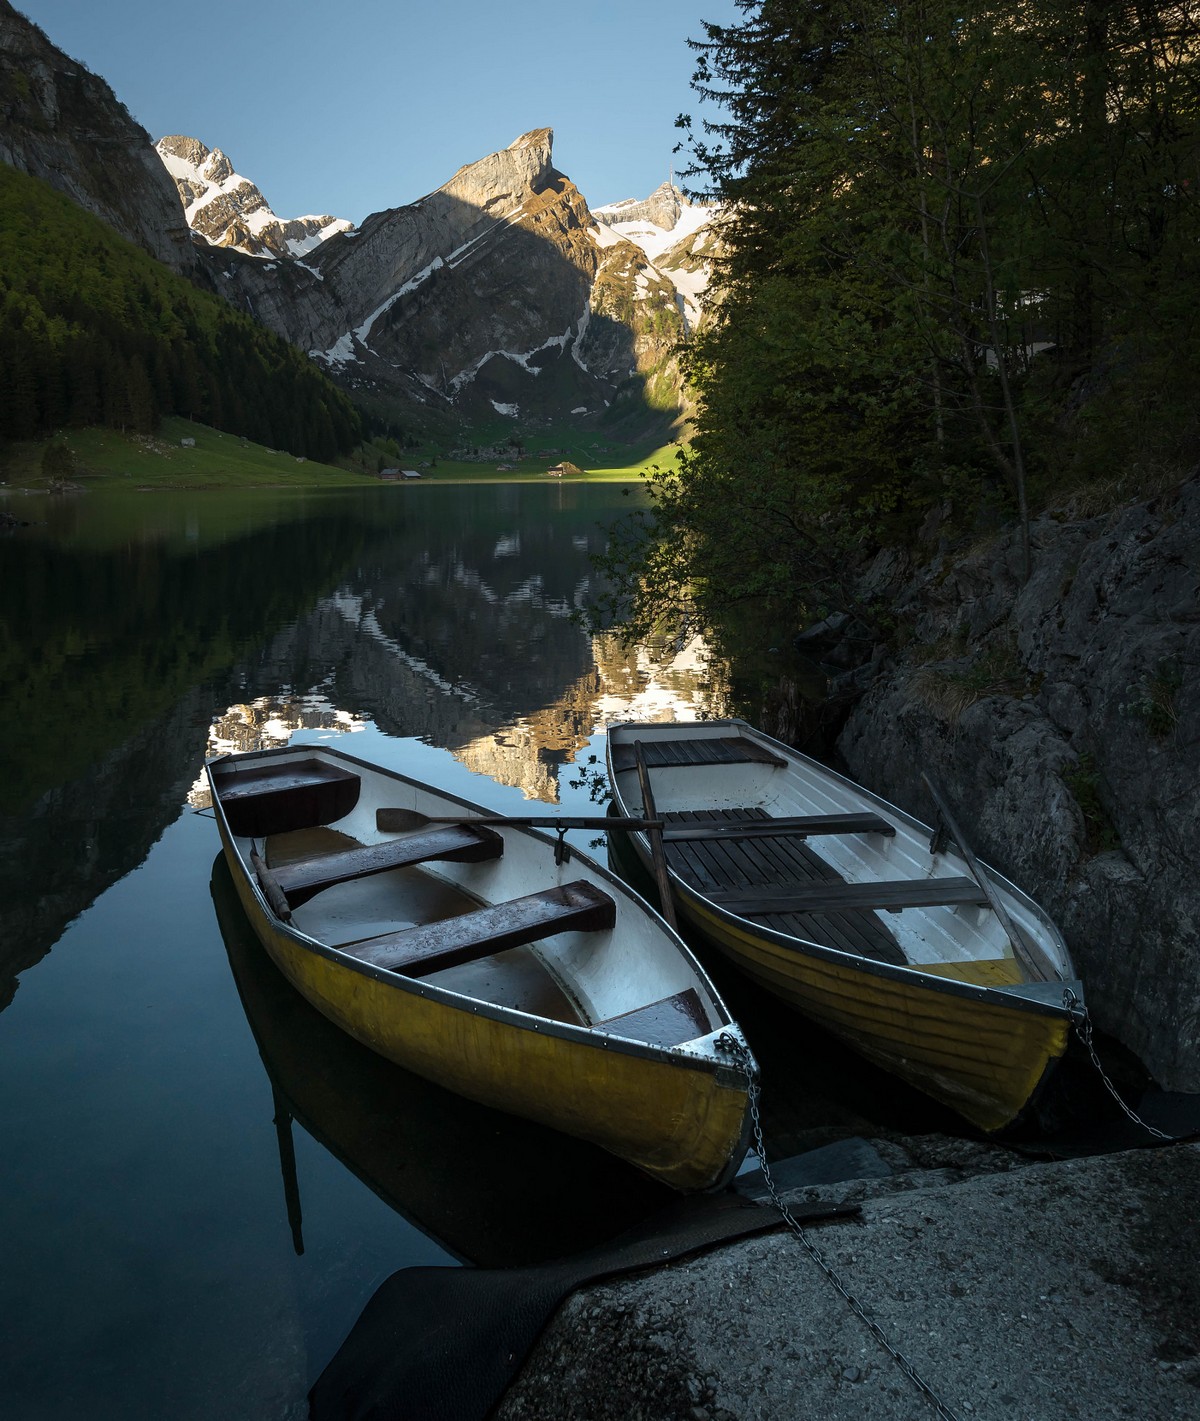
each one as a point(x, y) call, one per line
point(960, 278)
point(95, 331)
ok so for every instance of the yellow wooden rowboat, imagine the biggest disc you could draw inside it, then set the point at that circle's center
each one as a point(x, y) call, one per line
point(485, 957)
point(889, 934)
point(455, 1170)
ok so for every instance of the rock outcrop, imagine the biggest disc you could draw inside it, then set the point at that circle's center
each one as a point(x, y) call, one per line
point(228, 210)
point(63, 124)
point(662, 209)
point(1063, 718)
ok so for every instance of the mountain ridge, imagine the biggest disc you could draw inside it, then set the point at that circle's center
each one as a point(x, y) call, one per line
point(63, 124)
point(228, 210)
point(498, 293)
point(497, 299)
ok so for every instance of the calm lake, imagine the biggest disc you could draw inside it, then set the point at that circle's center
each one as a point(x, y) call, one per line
point(202, 1181)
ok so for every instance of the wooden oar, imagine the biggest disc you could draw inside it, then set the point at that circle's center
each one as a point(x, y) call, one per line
point(401, 821)
point(658, 855)
point(1030, 954)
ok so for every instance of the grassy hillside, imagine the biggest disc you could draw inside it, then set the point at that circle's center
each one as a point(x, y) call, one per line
point(93, 331)
point(100, 457)
point(109, 458)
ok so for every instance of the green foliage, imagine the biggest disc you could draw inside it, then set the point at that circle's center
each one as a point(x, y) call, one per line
point(962, 260)
point(94, 331)
point(1157, 699)
point(58, 463)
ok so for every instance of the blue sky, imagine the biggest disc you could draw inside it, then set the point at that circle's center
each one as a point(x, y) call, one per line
point(357, 105)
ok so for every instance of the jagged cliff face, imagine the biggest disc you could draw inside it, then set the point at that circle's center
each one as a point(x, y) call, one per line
point(64, 125)
point(498, 293)
point(228, 210)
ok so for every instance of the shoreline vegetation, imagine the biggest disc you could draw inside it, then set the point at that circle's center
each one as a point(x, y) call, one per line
point(98, 458)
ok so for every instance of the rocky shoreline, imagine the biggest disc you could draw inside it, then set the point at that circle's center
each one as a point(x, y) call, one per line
point(1015, 1289)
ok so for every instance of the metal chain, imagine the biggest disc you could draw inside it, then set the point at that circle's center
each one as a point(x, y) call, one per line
point(730, 1043)
point(1082, 1024)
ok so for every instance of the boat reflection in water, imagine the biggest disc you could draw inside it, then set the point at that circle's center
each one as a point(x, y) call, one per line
point(492, 1189)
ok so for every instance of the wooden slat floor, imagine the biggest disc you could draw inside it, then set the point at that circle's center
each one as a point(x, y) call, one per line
point(777, 863)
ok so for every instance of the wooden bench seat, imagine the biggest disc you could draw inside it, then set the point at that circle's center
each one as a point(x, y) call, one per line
point(453, 843)
point(430, 947)
point(798, 826)
point(663, 1023)
point(694, 750)
point(851, 897)
point(260, 799)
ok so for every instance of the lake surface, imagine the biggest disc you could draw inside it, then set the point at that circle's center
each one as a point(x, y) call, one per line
point(201, 1181)
point(176, 1123)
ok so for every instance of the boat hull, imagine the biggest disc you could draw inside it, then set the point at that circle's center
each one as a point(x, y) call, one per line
point(682, 1118)
point(983, 1051)
point(984, 1057)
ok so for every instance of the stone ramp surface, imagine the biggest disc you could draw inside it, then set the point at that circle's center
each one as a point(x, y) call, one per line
point(442, 1344)
point(1045, 1291)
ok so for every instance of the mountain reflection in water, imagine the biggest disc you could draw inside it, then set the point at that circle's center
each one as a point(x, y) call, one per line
point(132, 644)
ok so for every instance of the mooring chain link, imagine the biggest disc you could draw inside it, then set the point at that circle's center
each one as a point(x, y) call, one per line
point(730, 1043)
point(1082, 1024)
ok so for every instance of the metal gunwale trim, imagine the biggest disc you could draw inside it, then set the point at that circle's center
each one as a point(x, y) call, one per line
point(932, 981)
point(541, 835)
point(910, 975)
point(696, 903)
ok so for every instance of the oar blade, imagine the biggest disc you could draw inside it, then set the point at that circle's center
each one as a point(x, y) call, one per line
point(399, 821)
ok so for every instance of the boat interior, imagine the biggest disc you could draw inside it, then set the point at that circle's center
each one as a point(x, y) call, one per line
point(437, 903)
point(740, 823)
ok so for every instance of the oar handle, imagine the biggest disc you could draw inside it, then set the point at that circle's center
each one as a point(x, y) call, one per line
point(1031, 956)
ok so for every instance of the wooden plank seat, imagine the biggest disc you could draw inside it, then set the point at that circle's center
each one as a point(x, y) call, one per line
point(893, 894)
point(715, 750)
point(454, 843)
point(799, 826)
point(277, 798)
point(430, 947)
point(668, 1022)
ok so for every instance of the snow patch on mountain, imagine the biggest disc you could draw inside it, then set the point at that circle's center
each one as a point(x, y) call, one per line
point(228, 210)
point(522, 358)
point(674, 236)
point(653, 239)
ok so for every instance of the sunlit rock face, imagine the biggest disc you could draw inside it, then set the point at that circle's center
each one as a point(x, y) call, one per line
point(63, 124)
point(228, 210)
point(680, 238)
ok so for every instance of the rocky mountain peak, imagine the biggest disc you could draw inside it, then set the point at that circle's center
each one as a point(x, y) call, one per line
point(663, 209)
point(504, 179)
point(228, 210)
